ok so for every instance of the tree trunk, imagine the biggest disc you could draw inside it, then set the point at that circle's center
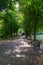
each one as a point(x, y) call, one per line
point(30, 30)
point(35, 28)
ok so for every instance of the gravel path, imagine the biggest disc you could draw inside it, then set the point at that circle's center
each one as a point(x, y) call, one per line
point(18, 52)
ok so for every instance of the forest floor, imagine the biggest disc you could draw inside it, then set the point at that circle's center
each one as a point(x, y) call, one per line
point(17, 51)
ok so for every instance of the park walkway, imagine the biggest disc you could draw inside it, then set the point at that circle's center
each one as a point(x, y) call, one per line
point(19, 52)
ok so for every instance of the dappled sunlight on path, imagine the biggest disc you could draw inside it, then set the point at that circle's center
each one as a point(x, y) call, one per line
point(17, 52)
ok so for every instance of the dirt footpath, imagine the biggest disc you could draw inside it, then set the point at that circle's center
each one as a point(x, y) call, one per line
point(19, 52)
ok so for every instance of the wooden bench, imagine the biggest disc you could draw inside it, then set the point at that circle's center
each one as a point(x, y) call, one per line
point(36, 44)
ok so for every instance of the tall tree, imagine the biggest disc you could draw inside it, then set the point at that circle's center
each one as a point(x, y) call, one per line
point(32, 10)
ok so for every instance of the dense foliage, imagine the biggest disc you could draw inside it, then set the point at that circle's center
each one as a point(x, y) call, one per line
point(29, 16)
point(8, 19)
point(33, 16)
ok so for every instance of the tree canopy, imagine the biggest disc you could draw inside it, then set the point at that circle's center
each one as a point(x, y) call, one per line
point(33, 14)
point(29, 16)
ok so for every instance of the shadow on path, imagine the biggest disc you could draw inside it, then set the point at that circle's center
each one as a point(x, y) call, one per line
point(18, 52)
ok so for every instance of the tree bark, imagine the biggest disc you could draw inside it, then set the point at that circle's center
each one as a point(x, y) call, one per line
point(30, 33)
point(35, 29)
